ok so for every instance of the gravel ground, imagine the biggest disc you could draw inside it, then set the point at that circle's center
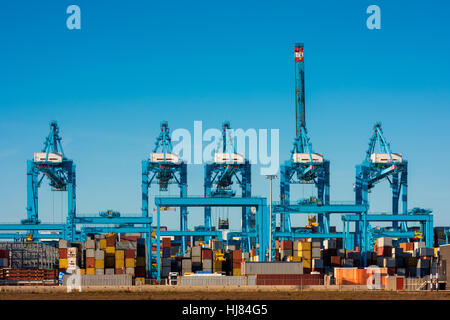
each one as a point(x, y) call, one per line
point(242, 294)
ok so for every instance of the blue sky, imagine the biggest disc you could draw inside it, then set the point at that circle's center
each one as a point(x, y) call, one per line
point(131, 65)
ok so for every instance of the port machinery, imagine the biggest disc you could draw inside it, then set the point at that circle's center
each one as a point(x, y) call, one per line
point(229, 167)
point(163, 168)
point(307, 167)
point(304, 166)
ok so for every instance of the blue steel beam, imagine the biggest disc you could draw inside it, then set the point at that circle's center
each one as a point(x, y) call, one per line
point(35, 237)
point(389, 218)
point(12, 226)
point(116, 220)
point(344, 208)
point(116, 230)
point(211, 202)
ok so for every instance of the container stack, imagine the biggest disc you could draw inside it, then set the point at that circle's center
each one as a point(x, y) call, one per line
point(140, 259)
point(120, 262)
point(129, 261)
point(207, 260)
point(196, 255)
point(286, 250)
point(237, 261)
point(99, 261)
point(4, 258)
point(63, 264)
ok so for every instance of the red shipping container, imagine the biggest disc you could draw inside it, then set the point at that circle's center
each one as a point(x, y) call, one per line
point(166, 242)
point(119, 271)
point(335, 261)
point(4, 254)
point(90, 262)
point(286, 245)
point(253, 253)
point(206, 254)
point(384, 251)
point(63, 253)
point(111, 241)
point(237, 255)
point(129, 254)
point(129, 238)
point(400, 283)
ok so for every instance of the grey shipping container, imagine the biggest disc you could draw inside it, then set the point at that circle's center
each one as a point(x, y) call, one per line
point(249, 268)
point(213, 280)
point(103, 280)
point(196, 251)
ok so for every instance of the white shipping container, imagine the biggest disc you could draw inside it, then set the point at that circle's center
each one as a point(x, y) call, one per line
point(426, 252)
point(90, 253)
point(384, 242)
point(305, 158)
point(418, 245)
point(52, 157)
point(315, 252)
point(384, 157)
point(71, 252)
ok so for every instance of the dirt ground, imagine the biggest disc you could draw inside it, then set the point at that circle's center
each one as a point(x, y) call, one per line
point(202, 294)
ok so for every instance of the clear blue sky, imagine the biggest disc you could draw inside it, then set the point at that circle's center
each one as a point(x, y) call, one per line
point(136, 63)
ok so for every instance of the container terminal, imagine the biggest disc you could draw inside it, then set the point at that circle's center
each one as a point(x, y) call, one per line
point(110, 250)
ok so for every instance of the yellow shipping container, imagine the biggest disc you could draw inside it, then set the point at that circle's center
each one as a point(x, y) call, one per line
point(63, 264)
point(119, 264)
point(217, 266)
point(103, 244)
point(90, 271)
point(111, 250)
point(139, 281)
point(99, 264)
point(306, 263)
point(81, 271)
point(236, 271)
point(305, 255)
point(140, 262)
point(295, 259)
point(120, 255)
point(304, 246)
point(129, 262)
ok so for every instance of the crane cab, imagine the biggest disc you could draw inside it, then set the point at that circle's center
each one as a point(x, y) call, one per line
point(52, 157)
point(384, 157)
point(304, 157)
point(228, 158)
point(159, 157)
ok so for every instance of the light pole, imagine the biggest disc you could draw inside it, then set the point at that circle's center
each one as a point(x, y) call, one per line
point(270, 177)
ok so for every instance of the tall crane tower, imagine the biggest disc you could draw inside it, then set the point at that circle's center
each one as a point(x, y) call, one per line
point(51, 163)
point(304, 166)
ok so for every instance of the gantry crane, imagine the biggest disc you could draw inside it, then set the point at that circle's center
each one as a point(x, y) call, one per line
point(304, 166)
point(382, 164)
point(229, 167)
point(162, 168)
point(51, 163)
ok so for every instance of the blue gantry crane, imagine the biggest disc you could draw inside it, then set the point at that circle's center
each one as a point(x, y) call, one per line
point(304, 166)
point(162, 168)
point(51, 163)
point(382, 164)
point(227, 168)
